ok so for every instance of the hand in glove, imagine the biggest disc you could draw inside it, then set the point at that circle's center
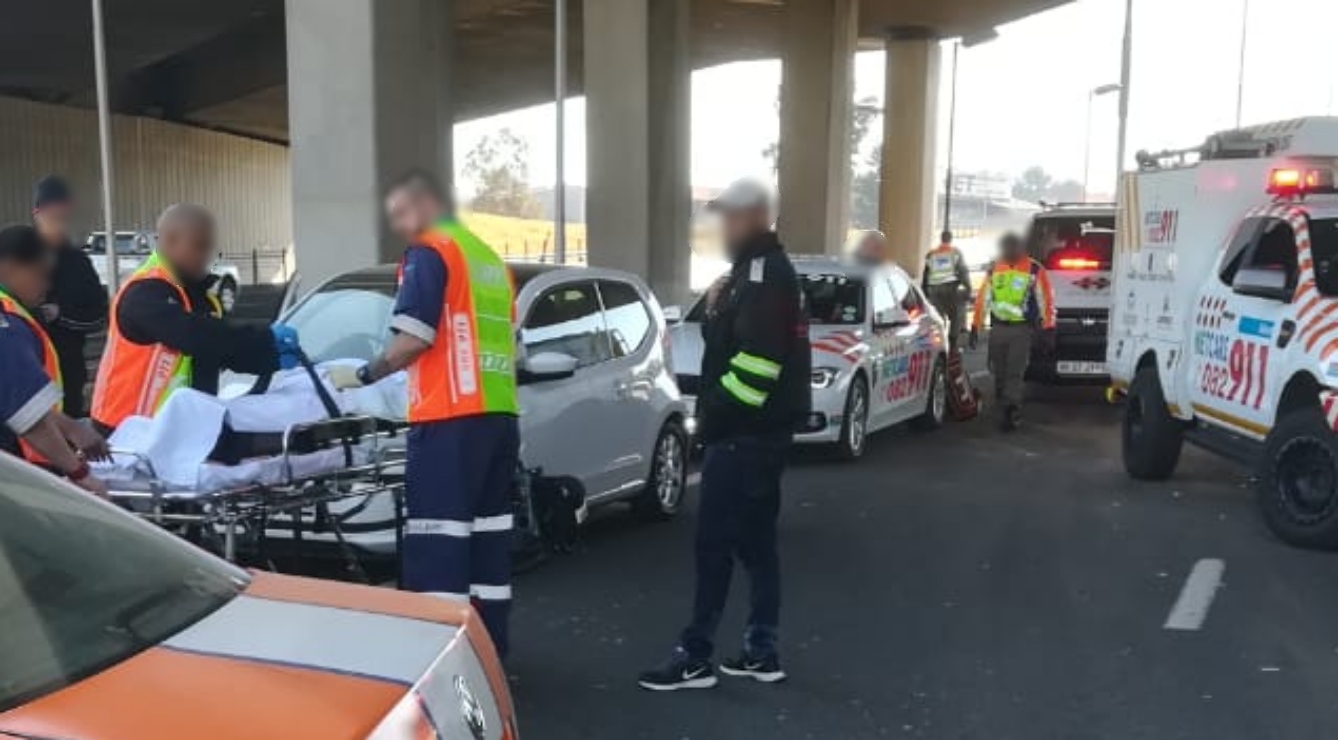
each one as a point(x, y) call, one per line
point(287, 345)
point(343, 377)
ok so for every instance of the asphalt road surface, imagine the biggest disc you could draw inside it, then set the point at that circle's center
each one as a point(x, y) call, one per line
point(961, 584)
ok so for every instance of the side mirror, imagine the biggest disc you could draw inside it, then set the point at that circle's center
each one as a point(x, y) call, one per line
point(891, 318)
point(546, 367)
point(673, 314)
point(1261, 282)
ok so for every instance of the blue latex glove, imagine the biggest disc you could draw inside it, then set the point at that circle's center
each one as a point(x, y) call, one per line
point(286, 344)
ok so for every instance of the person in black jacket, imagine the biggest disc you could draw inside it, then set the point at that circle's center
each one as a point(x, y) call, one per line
point(76, 304)
point(755, 393)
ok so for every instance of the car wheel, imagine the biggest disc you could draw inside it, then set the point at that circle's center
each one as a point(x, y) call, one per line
point(1297, 485)
point(663, 495)
point(227, 294)
point(855, 423)
point(936, 405)
point(1151, 437)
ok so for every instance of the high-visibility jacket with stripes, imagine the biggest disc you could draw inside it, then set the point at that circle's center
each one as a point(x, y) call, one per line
point(1016, 293)
point(470, 368)
point(944, 265)
point(50, 360)
point(137, 379)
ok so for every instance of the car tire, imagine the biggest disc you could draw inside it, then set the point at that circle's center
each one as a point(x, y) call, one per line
point(1151, 437)
point(855, 422)
point(227, 294)
point(1297, 486)
point(667, 485)
point(936, 404)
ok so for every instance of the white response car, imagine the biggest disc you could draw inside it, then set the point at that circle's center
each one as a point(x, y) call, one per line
point(879, 352)
point(599, 406)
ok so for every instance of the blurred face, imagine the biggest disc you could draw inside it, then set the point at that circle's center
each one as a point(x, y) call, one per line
point(411, 212)
point(188, 246)
point(53, 220)
point(27, 282)
point(741, 227)
point(1011, 249)
point(872, 249)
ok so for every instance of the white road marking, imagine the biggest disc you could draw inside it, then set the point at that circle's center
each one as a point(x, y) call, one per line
point(1196, 596)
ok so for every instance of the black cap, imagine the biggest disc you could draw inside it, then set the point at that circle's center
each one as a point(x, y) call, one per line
point(51, 190)
point(21, 245)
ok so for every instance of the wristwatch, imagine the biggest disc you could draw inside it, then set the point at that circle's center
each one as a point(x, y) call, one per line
point(79, 473)
point(365, 375)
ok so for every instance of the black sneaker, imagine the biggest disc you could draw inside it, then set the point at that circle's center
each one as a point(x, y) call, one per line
point(1012, 419)
point(766, 670)
point(679, 672)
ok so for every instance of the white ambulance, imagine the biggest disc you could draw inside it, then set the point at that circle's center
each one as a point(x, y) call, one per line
point(1074, 242)
point(1225, 324)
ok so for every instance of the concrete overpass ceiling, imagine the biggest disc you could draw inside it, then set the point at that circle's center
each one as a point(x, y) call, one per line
point(222, 64)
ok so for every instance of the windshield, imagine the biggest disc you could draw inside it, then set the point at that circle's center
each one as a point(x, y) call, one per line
point(83, 586)
point(344, 322)
point(126, 244)
point(1324, 248)
point(1073, 242)
point(833, 298)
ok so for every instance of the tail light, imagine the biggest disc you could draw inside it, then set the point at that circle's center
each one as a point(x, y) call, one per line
point(1076, 263)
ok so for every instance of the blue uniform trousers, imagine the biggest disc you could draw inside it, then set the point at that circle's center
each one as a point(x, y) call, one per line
point(457, 533)
point(740, 502)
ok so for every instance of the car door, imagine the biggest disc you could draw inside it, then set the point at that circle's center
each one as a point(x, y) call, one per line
point(566, 424)
point(912, 345)
point(1242, 327)
point(627, 383)
point(885, 359)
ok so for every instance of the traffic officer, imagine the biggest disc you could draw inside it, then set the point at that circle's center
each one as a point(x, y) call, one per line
point(34, 426)
point(869, 248)
point(947, 284)
point(453, 333)
point(76, 304)
point(755, 395)
point(167, 331)
point(1019, 300)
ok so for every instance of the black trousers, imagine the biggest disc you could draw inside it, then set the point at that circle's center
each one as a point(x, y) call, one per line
point(740, 502)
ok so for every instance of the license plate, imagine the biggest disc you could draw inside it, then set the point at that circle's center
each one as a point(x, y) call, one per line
point(1082, 368)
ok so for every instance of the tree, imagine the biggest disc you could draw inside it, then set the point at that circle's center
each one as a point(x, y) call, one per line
point(499, 165)
point(1033, 185)
point(864, 187)
point(862, 117)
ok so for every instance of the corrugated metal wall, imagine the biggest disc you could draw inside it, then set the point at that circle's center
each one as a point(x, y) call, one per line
point(244, 182)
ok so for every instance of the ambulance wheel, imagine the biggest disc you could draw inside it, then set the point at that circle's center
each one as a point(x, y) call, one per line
point(1297, 483)
point(936, 405)
point(1152, 437)
point(855, 422)
point(663, 495)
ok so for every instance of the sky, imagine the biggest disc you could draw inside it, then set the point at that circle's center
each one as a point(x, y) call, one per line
point(1023, 98)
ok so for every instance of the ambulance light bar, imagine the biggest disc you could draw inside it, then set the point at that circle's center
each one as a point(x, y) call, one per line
point(1291, 182)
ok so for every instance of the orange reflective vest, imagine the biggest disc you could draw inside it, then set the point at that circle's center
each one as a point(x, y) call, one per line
point(137, 379)
point(50, 360)
point(470, 368)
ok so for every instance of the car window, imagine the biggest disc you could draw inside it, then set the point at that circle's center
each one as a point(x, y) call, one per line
point(884, 299)
point(904, 293)
point(567, 320)
point(1274, 251)
point(833, 298)
point(344, 323)
point(83, 586)
point(1324, 251)
point(628, 319)
point(1245, 236)
point(1059, 241)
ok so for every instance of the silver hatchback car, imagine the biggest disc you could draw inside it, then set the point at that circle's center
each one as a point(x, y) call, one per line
point(599, 405)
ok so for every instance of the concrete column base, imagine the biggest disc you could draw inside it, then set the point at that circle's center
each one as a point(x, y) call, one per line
point(367, 101)
point(910, 125)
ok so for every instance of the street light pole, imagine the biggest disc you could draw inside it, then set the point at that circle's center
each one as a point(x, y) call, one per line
point(1240, 70)
point(113, 261)
point(952, 141)
point(1092, 95)
point(1126, 62)
point(560, 95)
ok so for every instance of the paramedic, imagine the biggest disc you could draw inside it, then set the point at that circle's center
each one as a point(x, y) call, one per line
point(947, 284)
point(452, 331)
point(755, 395)
point(167, 331)
point(869, 248)
point(76, 304)
point(1019, 300)
point(30, 394)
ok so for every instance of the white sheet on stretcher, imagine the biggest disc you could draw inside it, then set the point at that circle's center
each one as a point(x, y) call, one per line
point(177, 442)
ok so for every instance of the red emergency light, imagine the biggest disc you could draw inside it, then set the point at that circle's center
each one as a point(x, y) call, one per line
point(1292, 182)
point(1077, 263)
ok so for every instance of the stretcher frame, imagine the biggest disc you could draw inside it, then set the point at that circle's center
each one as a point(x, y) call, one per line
point(247, 509)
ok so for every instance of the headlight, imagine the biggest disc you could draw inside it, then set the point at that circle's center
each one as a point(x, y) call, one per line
point(824, 377)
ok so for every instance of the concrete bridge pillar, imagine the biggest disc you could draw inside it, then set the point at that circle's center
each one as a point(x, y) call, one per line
point(368, 100)
point(817, 92)
point(910, 123)
point(638, 133)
